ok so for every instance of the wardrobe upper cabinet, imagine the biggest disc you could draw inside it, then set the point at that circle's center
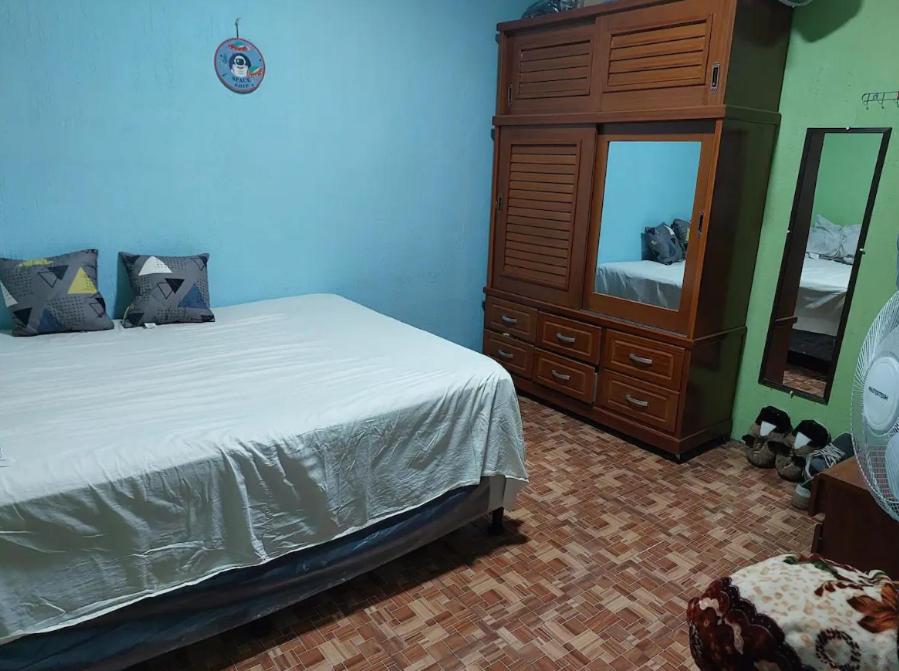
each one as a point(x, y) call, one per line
point(550, 70)
point(542, 211)
point(673, 55)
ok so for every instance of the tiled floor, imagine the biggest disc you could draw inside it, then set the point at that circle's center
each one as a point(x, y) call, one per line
point(804, 379)
point(606, 547)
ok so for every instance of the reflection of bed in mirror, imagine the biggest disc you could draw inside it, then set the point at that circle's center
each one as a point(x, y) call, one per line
point(819, 308)
point(822, 289)
point(643, 281)
point(822, 296)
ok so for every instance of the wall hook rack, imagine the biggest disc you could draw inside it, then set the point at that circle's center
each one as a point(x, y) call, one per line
point(882, 97)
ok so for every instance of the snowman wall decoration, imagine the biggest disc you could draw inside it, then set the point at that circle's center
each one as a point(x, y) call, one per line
point(239, 64)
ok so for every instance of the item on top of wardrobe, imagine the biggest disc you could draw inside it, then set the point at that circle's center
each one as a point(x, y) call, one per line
point(56, 294)
point(771, 426)
point(167, 290)
point(840, 449)
point(807, 437)
point(544, 7)
point(796, 613)
point(663, 244)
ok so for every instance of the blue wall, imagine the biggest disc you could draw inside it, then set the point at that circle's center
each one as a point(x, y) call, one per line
point(647, 184)
point(361, 166)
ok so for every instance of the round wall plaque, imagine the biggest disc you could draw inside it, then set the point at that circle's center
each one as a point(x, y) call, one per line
point(239, 65)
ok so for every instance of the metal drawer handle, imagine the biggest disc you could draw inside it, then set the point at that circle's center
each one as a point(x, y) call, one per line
point(568, 340)
point(505, 354)
point(561, 376)
point(636, 401)
point(642, 360)
point(509, 320)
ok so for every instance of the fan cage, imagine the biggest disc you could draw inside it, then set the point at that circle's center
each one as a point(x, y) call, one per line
point(870, 446)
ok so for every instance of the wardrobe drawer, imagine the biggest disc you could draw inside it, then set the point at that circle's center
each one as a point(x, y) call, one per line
point(509, 318)
point(638, 400)
point(570, 377)
point(569, 337)
point(515, 356)
point(642, 358)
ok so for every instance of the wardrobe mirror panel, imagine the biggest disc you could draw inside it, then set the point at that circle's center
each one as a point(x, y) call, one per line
point(647, 206)
point(838, 181)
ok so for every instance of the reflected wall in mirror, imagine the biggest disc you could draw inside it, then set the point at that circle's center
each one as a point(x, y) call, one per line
point(647, 206)
point(838, 181)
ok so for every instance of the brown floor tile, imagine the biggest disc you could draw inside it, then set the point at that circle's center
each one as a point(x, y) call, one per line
point(804, 379)
point(607, 545)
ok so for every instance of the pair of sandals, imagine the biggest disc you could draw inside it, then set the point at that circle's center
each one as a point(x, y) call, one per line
point(773, 442)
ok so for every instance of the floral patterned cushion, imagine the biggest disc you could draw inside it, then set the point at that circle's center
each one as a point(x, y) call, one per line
point(797, 613)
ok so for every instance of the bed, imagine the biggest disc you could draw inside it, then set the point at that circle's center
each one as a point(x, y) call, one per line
point(647, 282)
point(140, 464)
point(819, 307)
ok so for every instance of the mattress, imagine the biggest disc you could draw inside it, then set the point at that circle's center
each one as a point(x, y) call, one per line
point(819, 307)
point(139, 461)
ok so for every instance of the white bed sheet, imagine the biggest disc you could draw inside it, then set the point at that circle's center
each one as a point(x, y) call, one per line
point(822, 295)
point(819, 306)
point(143, 460)
point(648, 282)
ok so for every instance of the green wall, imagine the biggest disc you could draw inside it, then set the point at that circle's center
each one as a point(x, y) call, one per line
point(839, 49)
point(844, 176)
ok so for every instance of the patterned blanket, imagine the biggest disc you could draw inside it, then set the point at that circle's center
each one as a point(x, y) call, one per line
point(796, 613)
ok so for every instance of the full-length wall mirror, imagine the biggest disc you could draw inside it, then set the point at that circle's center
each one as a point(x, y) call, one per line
point(837, 187)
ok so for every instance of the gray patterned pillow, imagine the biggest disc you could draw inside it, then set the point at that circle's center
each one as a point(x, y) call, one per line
point(57, 294)
point(167, 289)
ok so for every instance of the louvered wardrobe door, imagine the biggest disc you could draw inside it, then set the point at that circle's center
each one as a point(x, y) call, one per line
point(551, 71)
point(544, 182)
point(669, 56)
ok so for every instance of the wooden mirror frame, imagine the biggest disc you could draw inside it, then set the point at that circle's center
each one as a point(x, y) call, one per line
point(783, 310)
point(674, 320)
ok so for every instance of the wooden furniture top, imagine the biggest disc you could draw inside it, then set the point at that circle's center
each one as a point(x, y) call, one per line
point(848, 473)
point(845, 476)
point(670, 114)
point(855, 530)
point(610, 7)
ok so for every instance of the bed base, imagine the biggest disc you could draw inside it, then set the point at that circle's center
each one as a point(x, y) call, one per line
point(497, 527)
point(165, 623)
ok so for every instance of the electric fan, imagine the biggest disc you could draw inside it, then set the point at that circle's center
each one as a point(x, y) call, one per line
point(875, 408)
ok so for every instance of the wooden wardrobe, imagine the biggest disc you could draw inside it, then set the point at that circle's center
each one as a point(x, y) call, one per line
point(574, 89)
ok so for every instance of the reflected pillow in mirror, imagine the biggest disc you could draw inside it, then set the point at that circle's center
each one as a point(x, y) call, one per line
point(825, 239)
point(662, 244)
point(849, 245)
point(682, 231)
